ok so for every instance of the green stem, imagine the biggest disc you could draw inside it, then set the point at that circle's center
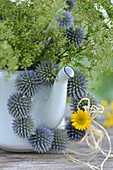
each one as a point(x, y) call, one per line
point(45, 49)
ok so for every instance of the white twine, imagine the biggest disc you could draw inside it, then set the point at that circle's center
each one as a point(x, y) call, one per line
point(91, 133)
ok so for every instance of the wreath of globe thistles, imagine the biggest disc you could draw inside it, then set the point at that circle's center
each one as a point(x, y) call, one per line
point(77, 86)
point(75, 35)
point(19, 105)
point(66, 20)
point(43, 139)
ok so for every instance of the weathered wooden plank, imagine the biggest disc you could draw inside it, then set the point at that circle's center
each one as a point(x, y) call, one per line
point(45, 161)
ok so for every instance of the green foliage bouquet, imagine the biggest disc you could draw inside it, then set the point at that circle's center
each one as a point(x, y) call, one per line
point(69, 32)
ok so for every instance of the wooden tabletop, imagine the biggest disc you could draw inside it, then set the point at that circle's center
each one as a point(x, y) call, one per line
point(53, 161)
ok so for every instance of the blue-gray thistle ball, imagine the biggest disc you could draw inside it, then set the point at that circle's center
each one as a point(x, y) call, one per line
point(60, 141)
point(19, 106)
point(75, 35)
point(41, 140)
point(23, 127)
point(47, 72)
point(65, 21)
point(90, 96)
point(74, 134)
point(77, 86)
point(71, 5)
point(28, 83)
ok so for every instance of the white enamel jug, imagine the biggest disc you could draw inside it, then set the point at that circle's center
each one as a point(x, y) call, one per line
point(48, 108)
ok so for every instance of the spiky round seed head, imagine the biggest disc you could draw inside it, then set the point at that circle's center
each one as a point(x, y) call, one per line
point(60, 141)
point(77, 86)
point(23, 127)
point(76, 35)
point(65, 21)
point(71, 4)
point(19, 106)
point(28, 83)
point(74, 134)
point(47, 72)
point(90, 96)
point(41, 140)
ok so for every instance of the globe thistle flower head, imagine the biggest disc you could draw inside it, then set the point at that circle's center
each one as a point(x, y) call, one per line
point(28, 83)
point(66, 20)
point(23, 127)
point(47, 72)
point(60, 141)
point(90, 96)
point(75, 35)
point(74, 134)
point(19, 106)
point(77, 86)
point(41, 140)
point(71, 4)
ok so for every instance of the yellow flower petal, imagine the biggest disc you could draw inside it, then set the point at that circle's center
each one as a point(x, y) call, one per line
point(73, 115)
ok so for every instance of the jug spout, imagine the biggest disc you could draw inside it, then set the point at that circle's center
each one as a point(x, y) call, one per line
point(51, 111)
point(65, 73)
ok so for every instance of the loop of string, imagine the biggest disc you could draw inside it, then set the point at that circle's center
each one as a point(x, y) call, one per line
point(93, 138)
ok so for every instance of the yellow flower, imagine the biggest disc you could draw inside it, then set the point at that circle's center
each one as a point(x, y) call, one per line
point(104, 103)
point(81, 120)
point(109, 123)
point(44, 5)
